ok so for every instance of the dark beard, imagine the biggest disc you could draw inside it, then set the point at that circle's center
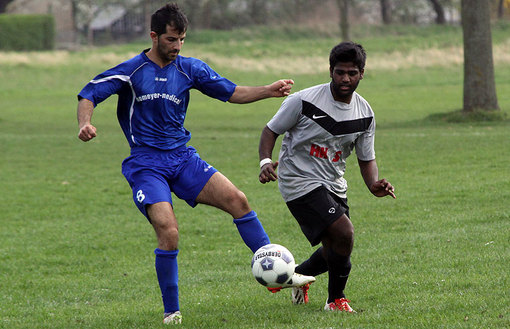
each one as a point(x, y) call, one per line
point(168, 57)
point(342, 94)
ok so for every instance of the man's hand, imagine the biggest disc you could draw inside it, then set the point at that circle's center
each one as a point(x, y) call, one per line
point(281, 88)
point(382, 188)
point(268, 173)
point(87, 132)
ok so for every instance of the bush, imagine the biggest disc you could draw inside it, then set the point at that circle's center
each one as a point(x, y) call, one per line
point(27, 32)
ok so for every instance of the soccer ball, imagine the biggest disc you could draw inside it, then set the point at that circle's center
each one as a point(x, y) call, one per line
point(272, 265)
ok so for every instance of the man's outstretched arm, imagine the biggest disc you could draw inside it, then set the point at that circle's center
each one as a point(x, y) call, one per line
point(248, 94)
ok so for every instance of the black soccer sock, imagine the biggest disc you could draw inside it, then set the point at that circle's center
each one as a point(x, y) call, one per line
point(339, 268)
point(314, 265)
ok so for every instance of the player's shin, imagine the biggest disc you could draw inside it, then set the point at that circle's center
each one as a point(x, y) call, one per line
point(251, 231)
point(339, 267)
point(314, 265)
point(167, 272)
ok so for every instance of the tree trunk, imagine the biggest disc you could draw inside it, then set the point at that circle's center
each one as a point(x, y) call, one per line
point(146, 9)
point(258, 11)
point(438, 8)
point(479, 83)
point(3, 5)
point(343, 5)
point(385, 11)
point(501, 8)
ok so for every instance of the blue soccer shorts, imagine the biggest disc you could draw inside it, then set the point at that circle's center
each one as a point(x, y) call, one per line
point(154, 175)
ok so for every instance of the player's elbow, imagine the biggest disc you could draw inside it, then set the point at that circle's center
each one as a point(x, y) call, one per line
point(237, 98)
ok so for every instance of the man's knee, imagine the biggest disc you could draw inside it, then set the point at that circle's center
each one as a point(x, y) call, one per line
point(347, 232)
point(343, 227)
point(341, 235)
point(239, 197)
point(236, 199)
point(168, 237)
point(165, 225)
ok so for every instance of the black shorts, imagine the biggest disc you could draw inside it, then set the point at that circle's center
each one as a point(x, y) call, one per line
point(316, 211)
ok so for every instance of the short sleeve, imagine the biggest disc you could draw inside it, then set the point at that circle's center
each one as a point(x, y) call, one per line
point(211, 83)
point(365, 149)
point(288, 114)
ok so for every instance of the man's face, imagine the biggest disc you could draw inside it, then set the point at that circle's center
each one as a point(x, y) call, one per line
point(345, 78)
point(168, 44)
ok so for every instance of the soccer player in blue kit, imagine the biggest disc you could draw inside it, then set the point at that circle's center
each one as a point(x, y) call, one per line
point(153, 89)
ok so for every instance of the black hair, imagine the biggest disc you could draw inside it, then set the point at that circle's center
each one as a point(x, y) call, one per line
point(169, 14)
point(348, 52)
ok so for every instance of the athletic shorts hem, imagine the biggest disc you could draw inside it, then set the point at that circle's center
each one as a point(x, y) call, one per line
point(316, 211)
point(155, 175)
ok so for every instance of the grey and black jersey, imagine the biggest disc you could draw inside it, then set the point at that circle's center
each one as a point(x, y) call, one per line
point(320, 133)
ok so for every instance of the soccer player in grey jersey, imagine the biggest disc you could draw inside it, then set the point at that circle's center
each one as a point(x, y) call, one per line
point(322, 126)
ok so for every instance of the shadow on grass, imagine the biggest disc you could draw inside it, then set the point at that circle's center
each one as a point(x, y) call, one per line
point(461, 116)
point(452, 117)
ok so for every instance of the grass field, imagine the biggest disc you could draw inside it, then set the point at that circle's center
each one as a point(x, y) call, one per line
point(76, 253)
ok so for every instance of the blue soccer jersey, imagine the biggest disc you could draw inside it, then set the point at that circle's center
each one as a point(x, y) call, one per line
point(153, 101)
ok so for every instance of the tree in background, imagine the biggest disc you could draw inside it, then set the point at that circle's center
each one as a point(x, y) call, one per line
point(479, 82)
point(230, 14)
point(438, 8)
point(343, 6)
point(84, 12)
point(258, 11)
point(410, 12)
point(385, 11)
point(3, 5)
point(502, 5)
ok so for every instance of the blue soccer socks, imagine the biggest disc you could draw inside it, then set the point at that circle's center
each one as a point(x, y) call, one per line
point(166, 269)
point(251, 231)
point(249, 228)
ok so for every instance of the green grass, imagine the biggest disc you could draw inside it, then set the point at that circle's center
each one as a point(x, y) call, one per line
point(76, 253)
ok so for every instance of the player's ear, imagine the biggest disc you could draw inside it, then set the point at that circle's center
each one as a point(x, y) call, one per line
point(361, 74)
point(154, 36)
